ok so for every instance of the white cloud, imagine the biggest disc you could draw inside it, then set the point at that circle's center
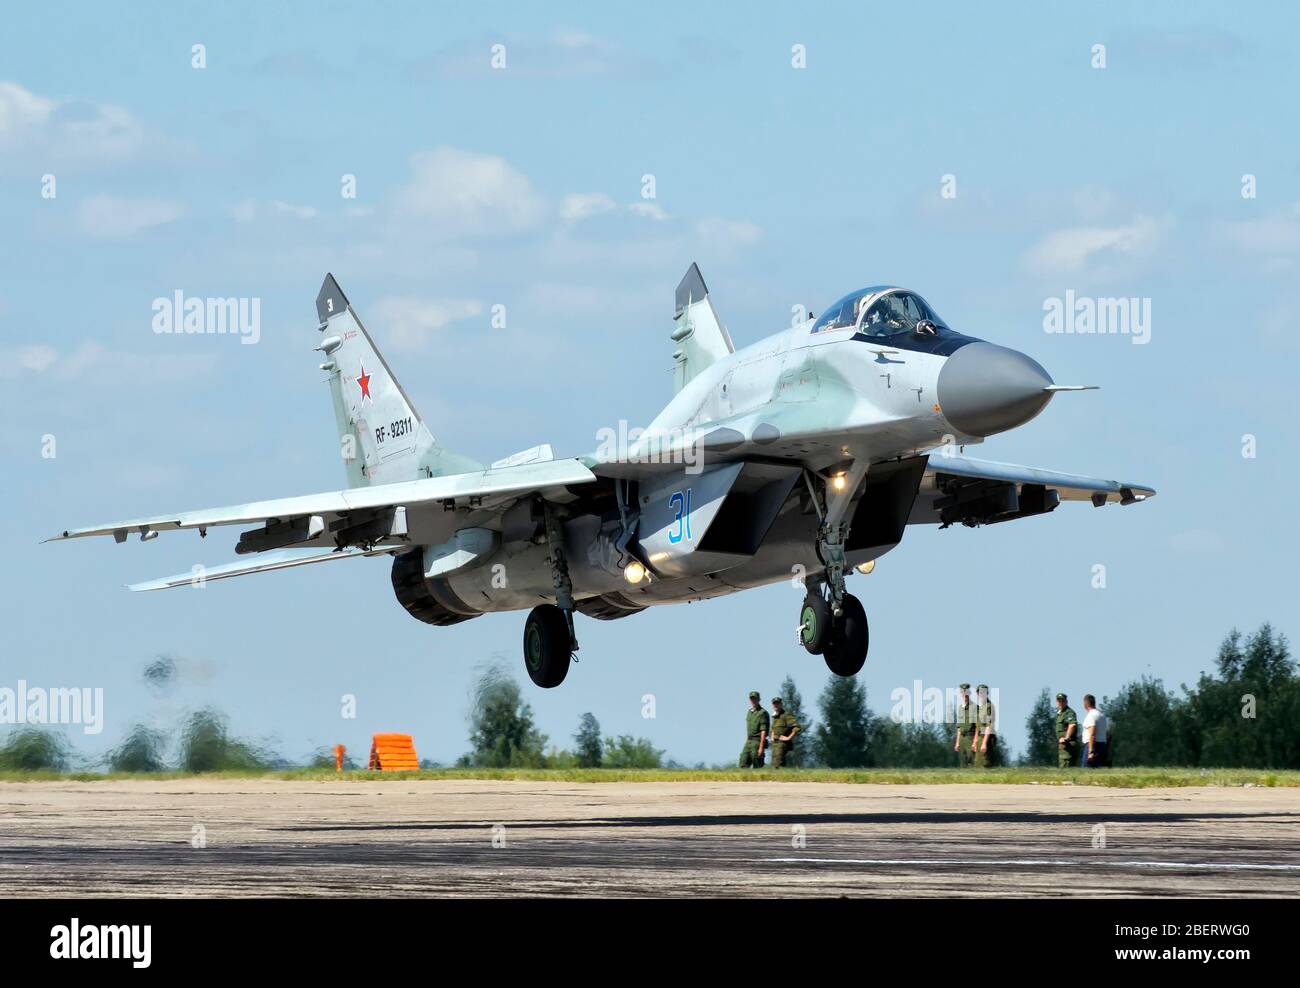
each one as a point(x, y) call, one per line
point(728, 234)
point(300, 212)
point(35, 357)
point(1277, 233)
point(583, 205)
point(39, 358)
point(650, 210)
point(558, 55)
point(111, 217)
point(463, 193)
point(21, 109)
point(550, 298)
point(247, 210)
point(17, 361)
point(404, 322)
point(244, 211)
point(1071, 250)
point(58, 132)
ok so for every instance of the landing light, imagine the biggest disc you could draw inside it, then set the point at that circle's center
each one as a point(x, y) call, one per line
point(867, 567)
point(838, 481)
point(634, 572)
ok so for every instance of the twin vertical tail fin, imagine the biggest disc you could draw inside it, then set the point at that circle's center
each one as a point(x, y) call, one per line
point(700, 336)
point(382, 438)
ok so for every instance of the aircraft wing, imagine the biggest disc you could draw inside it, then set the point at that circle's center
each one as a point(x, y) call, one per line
point(284, 560)
point(358, 518)
point(958, 488)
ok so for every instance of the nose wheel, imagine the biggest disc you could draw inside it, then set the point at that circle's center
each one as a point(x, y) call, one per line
point(842, 641)
point(815, 621)
point(846, 651)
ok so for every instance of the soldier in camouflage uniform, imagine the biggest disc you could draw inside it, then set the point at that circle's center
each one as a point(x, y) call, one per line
point(757, 732)
point(1067, 733)
point(986, 739)
point(965, 743)
point(784, 729)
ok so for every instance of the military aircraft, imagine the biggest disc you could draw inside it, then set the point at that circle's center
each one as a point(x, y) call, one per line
point(804, 455)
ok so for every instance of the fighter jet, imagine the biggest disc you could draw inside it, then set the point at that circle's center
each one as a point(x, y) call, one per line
point(803, 456)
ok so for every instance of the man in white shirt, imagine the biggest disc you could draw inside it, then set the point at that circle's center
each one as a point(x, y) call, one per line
point(1096, 734)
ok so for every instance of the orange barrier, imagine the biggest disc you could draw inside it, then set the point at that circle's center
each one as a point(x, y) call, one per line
point(339, 752)
point(393, 753)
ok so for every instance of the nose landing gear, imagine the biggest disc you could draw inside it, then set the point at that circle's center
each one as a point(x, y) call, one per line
point(832, 622)
point(842, 641)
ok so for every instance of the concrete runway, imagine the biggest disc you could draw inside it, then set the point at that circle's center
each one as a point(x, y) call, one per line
point(267, 837)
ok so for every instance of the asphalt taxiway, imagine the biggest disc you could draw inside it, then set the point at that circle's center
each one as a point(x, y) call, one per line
point(270, 837)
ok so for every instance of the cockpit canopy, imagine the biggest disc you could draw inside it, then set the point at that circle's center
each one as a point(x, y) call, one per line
point(880, 311)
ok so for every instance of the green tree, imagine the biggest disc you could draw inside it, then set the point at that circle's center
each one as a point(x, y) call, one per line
point(140, 751)
point(1040, 726)
point(502, 732)
point(1245, 717)
point(842, 736)
point(626, 751)
point(1145, 725)
point(206, 746)
point(323, 757)
point(908, 745)
point(35, 749)
point(1002, 754)
point(589, 753)
point(803, 753)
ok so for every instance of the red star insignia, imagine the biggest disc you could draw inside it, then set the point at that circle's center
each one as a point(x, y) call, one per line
point(364, 381)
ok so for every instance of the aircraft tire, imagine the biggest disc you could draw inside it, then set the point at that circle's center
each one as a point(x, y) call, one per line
point(816, 618)
point(846, 652)
point(547, 646)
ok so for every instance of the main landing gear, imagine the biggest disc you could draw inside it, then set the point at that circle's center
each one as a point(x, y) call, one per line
point(832, 622)
point(549, 639)
point(548, 646)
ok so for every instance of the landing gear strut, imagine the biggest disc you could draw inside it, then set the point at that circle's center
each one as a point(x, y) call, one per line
point(833, 534)
point(549, 639)
point(832, 622)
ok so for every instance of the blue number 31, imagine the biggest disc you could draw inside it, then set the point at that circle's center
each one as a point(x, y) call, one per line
point(681, 505)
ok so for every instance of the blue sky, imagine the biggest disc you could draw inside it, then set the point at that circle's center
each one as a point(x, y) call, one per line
point(523, 187)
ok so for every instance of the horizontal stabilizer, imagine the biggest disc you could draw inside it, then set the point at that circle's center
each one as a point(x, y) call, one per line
point(536, 454)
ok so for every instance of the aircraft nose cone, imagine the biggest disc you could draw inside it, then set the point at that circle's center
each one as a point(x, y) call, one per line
point(985, 389)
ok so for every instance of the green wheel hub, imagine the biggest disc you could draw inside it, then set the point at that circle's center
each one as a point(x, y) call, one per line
point(808, 618)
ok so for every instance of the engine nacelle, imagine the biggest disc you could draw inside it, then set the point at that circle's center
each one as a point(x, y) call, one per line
point(430, 601)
